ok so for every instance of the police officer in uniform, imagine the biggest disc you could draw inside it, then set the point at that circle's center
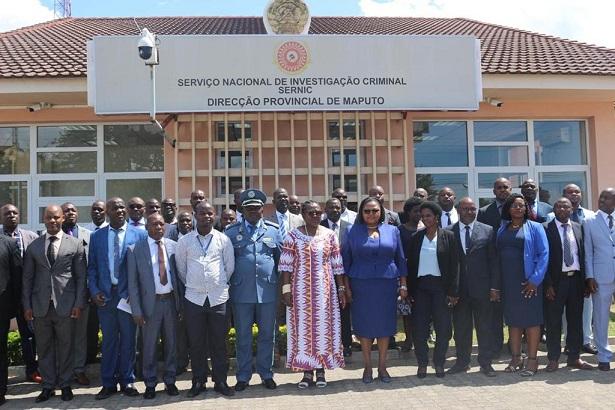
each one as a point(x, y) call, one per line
point(253, 287)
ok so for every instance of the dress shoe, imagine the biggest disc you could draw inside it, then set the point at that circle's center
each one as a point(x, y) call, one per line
point(150, 393)
point(421, 372)
point(458, 368)
point(439, 371)
point(241, 386)
point(580, 364)
point(171, 389)
point(196, 389)
point(223, 389)
point(82, 379)
point(2, 400)
point(34, 377)
point(367, 377)
point(45, 395)
point(384, 377)
point(552, 366)
point(105, 393)
point(589, 348)
point(67, 394)
point(604, 366)
point(488, 371)
point(347, 352)
point(269, 384)
point(129, 390)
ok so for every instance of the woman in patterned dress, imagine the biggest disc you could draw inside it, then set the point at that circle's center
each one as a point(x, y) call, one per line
point(309, 263)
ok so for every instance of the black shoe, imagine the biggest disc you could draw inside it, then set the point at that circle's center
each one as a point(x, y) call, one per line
point(171, 389)
point(67, 394)
point(241, 386)
point(347, 351)
point(223, 389)
point(458, 368)
point(196, 389)
point(590, 348)
point(488, 371)
point(2, 400)
point(105, 393)
point(421, 372)
point(129, 390)
point(269, 384)
point(604, 366)
point(45, 395)
point(440, 371)
point(150, 393)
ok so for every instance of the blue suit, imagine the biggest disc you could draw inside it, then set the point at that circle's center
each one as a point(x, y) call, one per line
point(118, 328)
point(253, 293)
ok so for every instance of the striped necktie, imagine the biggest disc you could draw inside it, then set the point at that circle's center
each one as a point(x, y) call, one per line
point(282, 229)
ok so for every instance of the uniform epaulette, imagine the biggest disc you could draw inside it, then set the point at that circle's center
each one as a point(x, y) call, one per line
point(275, 225)
point(231, 226)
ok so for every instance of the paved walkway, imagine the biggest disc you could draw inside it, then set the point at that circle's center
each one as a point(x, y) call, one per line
point(564, 389)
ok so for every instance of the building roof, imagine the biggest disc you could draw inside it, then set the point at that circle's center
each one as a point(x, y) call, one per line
point(58, 48)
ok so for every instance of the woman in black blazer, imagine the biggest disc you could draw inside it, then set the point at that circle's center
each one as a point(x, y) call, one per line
point(433, 282)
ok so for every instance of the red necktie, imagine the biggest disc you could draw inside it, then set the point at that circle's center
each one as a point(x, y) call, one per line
point(162, 266)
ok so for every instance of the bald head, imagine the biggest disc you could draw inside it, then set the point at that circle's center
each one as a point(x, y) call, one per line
point(53, 217)
point(377, 192)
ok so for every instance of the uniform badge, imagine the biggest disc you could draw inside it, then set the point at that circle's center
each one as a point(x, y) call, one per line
point(239, 237)
point(251, 194)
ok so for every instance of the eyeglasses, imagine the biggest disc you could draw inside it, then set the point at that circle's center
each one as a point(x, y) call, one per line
point(517, 207)
point(371, 211)
point(341, 197)
point(314, 213)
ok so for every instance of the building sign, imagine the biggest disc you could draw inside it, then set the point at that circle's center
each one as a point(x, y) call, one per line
point(286, 73)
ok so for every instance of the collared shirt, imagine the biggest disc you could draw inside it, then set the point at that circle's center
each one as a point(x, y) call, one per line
point(605, 218)
point(284, 217)
point(153, 251)
point(121, 233)
point(205, 265)
point(140, 224)
point(428, 259)
point(56, 248)
point(16, 234)
point(444, 219)
point(462, 234)
point(499, 206)
point(92, 227)
point(337, 227)
point(574, 249)
point(348, 216)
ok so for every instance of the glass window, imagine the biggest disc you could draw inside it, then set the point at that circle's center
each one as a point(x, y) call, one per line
point(496, 131)
point(234, 159)
point(66, 162)
point(234, 131)
point(486, 180)
point(67, 188)
point(16, 193)
point(235, 183)
point(67, 136)
point(560, 143)
point(15, 150)
point(501, 156)
point(127, 188)
point(434, 182)
point(83, 211)
point(348, 128)
point(440, 144)
point(350, 158)
point(350, 182)
point(551, 184)
point(133, 148)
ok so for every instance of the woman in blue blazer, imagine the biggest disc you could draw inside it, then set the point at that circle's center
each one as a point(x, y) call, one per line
point(524, 255)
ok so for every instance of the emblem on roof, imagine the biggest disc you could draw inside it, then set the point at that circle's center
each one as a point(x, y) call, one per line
point(287, 17)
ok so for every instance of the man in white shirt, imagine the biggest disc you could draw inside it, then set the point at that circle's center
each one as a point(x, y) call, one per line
point(347, 214)
point(205, 262)
point(136, 210)
point(446, 200)
point(285, 220)
point(98, 215)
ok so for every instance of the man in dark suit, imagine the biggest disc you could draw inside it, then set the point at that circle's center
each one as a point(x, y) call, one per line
point(538, 210)
point(479, 288)
point(10, 277)
point(333, 209)
point(492, 216)
point(154, 300)
point(53, 296)
point(564, 286)
point(23, 238)
point(390, 217)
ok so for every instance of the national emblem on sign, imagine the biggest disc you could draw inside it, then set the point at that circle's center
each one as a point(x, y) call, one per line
point(292, 57)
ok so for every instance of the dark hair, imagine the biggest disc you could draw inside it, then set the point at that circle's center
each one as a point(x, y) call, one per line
point(411, 203)
point(508, 203)
point(433, 207)
point(363, 203)
point(306, 204)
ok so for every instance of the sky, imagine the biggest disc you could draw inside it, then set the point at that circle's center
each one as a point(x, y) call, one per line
point(589, 21)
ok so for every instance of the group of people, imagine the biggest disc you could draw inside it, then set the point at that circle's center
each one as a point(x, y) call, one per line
point(146, 274)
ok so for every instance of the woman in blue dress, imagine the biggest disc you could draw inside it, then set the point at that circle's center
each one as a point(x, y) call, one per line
point(374, 262)
point(524, 254)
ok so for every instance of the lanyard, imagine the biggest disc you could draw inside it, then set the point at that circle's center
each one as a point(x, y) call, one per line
point(204, 249)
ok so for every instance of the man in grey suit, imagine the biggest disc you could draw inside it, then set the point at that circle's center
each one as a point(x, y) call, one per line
point(282, 217)
point(53, 296)
point(154, 300)
point(333, 209)
point(80, 345)
point(599, 232)
point(390, 217)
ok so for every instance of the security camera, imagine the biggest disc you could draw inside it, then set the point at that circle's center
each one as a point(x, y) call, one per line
point(147, 47)
point(495, 102)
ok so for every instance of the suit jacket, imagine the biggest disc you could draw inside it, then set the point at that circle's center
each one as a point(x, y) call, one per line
point(141, 285)
point(83, 234)
point(99, 274)
point(480, 266)
point(554, 269)
point(448, 260)
point(10, 275)
point(294, 221)
point(542, 211)
point(67, 276)
point(391, 217)
point(171, 232)
point(599, 250)
point(343, 229)
point(490, 215)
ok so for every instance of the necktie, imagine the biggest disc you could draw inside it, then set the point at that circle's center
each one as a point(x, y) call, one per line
point(19, 242)
point(533, 214)
point(282, 228)
point(568, 260)
point(575, 215)
point(468, 240)
point(448, 215)
point(51, 252)
point(334, 227)
point(611, 222)
point(116, 253)
point(162, 266)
